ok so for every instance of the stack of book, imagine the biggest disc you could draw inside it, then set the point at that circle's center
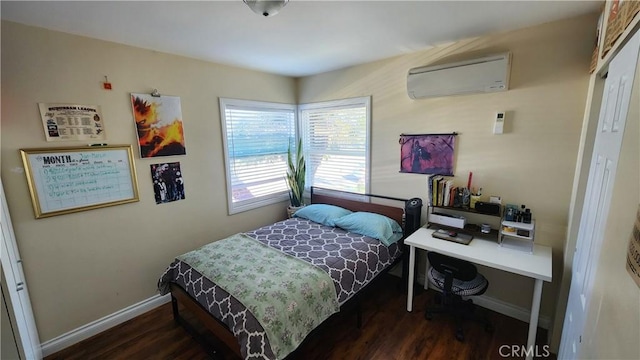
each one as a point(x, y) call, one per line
point(442, 192)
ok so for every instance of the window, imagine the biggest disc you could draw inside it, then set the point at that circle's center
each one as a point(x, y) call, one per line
point(256, 137)
point(335, 136)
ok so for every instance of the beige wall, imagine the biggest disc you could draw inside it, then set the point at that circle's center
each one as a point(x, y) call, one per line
point(532, 163)
point(613, 315)
point(83, 266)
point(86, 265)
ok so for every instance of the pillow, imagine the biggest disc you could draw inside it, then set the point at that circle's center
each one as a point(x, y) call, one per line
point(322, 213)
point(373, 225)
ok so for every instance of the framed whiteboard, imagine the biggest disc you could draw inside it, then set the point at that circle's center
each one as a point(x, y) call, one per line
point(66, 180)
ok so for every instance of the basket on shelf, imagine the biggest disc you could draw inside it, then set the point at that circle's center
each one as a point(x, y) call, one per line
point(621, 14)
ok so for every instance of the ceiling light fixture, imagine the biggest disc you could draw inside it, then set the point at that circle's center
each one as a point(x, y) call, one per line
point(266, 7)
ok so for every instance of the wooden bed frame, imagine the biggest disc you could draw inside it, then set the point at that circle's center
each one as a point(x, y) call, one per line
point(222, 332)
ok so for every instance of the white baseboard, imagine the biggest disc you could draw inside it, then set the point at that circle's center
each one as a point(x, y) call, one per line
point(510, 310)
point(507, 309)
point(95, 327)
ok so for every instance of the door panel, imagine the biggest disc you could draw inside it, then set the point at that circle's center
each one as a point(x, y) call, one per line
point(25, 330)
point(606, 150)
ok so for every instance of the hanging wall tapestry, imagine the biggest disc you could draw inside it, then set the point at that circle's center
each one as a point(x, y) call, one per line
point(427, 153)
point(159, 124)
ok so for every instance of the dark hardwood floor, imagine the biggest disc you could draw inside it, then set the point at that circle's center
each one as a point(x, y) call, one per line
point(388, 332)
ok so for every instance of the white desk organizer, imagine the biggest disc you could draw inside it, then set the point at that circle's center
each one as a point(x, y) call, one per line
point(448, 220)
point(521, 238)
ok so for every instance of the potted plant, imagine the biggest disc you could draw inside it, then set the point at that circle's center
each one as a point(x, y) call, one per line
point(295, 178)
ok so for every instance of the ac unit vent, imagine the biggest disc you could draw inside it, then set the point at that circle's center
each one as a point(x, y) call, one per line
point(487, 74)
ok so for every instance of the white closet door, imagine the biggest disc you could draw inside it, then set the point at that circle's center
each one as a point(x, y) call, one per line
point(602, 172)
point(25, 331)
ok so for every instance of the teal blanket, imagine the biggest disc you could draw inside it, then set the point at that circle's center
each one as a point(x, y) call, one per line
point(288, 296)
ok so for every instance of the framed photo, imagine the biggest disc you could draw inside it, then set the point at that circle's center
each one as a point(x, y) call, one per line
point(66, 180)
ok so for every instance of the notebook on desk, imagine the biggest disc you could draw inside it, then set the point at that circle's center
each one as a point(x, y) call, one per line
point(460, 238)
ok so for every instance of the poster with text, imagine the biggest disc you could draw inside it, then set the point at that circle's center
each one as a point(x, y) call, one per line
point(168, 184)
point(159, 125)
point(68, 122)
point(427, 154)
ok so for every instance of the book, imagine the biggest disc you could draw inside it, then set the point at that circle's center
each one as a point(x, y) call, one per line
point(434, 192)
point(430, 190)
point(447, 192)
point(452, 195)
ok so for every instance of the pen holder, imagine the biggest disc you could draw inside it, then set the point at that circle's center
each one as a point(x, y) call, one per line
point(472, 202)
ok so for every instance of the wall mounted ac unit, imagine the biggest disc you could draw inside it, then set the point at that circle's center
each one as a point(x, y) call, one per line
point(486, 74)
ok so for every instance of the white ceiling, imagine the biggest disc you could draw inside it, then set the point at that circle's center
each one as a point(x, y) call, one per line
point(305, 38)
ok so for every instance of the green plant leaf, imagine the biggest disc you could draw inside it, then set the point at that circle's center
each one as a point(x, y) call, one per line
point(296, 175)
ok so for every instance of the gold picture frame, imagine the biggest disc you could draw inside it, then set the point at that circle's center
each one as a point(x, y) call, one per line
point(64, 180)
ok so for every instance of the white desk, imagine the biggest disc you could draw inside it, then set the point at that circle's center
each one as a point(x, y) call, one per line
point(488, 253)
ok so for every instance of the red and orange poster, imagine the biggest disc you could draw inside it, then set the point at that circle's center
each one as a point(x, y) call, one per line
point(159, 125)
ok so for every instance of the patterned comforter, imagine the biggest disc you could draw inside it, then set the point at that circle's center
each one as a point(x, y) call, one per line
point(350, 259)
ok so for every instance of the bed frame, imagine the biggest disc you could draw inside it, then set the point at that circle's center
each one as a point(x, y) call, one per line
point(318, 196)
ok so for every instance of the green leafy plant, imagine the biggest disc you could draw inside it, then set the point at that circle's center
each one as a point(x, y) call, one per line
point(295, 175)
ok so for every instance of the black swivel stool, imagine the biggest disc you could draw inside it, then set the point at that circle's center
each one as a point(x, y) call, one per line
point(456, 278)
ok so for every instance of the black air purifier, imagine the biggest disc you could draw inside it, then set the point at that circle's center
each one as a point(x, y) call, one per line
point(412, 215)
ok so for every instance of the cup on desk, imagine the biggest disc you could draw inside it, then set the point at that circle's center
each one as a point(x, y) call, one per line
point(474, 199)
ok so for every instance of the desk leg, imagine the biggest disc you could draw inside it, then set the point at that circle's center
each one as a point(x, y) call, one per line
point(426, 273)
point(412, 269)
point(533, 321)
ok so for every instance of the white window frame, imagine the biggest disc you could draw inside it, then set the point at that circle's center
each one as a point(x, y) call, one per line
point(336, 104)
point(237, 207)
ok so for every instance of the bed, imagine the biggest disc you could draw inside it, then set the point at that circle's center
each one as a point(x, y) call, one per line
point(277, 257)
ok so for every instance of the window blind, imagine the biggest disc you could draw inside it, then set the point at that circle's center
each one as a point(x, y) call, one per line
point(257, 137)
point(336, 144)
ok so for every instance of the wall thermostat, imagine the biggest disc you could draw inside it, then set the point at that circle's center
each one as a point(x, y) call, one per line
point(498, 127)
